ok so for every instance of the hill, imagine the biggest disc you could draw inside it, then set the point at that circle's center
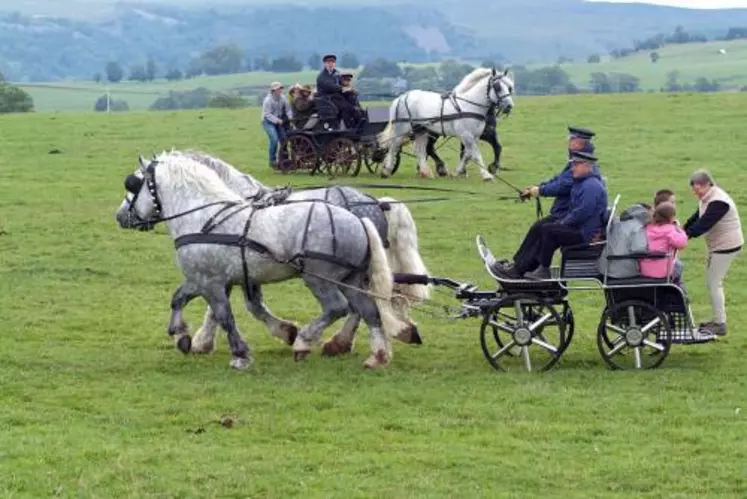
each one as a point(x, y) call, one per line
point(79, 38)
point(97, 403)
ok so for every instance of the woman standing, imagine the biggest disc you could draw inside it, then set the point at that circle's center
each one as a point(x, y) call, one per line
point(275, 113)
point(718, 219)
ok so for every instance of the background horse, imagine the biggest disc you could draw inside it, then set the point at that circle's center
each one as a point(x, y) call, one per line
point(395, 226)
point(460, 113)
point(222, 241)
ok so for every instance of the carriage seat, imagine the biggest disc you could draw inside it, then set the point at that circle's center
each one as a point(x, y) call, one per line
point(326, 109)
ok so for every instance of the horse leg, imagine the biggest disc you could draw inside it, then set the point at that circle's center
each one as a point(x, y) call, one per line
point(204, 339)
point(430, 150)
point(394, 146)
point(220, 304)
point(334, 307)
point(421, 143)
point(178, 329)
point(342, 342)
point(473, 151)
point(279, 328)
point(381, 348)
point(492, 139)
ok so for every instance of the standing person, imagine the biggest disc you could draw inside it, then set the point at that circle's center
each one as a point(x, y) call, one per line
point(276, 112)
point(718, 220)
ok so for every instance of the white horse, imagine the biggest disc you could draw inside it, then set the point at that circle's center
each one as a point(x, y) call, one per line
point(394, 225)
point(222, 241)
point(460, 113)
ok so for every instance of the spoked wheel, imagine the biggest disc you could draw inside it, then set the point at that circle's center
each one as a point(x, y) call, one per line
point(633, 335)
point(341, 157)
point(372, 158)
point(302, 154)
point(523, 334)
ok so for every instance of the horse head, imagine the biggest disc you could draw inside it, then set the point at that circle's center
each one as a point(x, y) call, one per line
point(501, 89)
point(140, 210)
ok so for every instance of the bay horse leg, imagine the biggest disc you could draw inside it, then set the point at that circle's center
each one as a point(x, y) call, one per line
point(343, 341)
point(204, 339)
point(430, 150)
point(220, 303)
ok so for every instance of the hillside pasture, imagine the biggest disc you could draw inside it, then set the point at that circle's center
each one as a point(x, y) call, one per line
point(98, 403)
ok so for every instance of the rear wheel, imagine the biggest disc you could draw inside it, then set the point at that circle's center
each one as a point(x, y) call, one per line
point(302, 154)
point(341, 157)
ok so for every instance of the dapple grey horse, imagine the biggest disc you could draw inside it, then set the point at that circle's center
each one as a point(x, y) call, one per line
point(222, 241)
point(392, 219)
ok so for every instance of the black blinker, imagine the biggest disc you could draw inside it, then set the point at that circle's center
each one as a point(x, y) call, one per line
point(133, 184)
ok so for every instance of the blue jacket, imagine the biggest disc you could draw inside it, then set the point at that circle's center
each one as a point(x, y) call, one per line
point(588, 205)
point(559, 187)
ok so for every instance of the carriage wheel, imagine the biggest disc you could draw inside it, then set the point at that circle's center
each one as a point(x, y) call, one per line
point(633, 334)
point(372, 158)
point(341, 157)
point(302, 154)
point(523, 333)
point(570, 323)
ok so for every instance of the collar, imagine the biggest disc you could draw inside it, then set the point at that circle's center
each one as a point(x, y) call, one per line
point(709, 195)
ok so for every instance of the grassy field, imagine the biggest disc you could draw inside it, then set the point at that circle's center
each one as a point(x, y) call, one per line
point(691, 60)
point(97, 403)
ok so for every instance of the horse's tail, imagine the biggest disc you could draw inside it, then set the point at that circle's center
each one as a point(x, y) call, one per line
point(404, 256)
point(385, 138)
point(382, 283)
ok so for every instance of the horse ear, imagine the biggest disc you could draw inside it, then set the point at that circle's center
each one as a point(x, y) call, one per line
point(143, 166)
point(494, 71)
point(505, 72)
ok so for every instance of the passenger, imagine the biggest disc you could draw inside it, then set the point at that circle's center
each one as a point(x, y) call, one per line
point(627, 236)
point(328, 84)
point(667, 196)
point(303, 106)
point(582, 224)
point(663, 235)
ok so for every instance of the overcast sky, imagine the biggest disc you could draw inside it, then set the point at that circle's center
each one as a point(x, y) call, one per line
point(695, 4)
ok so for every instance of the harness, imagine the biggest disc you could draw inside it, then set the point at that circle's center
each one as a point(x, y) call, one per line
point(243, 241)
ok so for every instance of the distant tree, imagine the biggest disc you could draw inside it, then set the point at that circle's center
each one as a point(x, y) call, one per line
point(381, 68)
point(115, 105)
point(138, 73)
point(114, 72)
point(349, 60)
point(151, 69)
point(626, 83)
point(564, 60)
point(14, 99)
point(286, 64)
point(314, 61)
point(173, 74)
point(600, 83)
point(451, 73)
point(224, 59)
point(735, 33)
point(672, 85)
point(702, 84)
point(654, 56)
point(191, 99)
point(594, 59)
point(97, 77)
point(261, 63)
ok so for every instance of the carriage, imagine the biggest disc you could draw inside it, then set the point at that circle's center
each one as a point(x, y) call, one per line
point(324, 144)
point(531, 323)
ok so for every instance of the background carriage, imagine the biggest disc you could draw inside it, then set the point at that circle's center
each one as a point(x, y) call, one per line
point(325, 144)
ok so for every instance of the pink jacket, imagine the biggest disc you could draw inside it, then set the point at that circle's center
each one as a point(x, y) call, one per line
point(664, 239)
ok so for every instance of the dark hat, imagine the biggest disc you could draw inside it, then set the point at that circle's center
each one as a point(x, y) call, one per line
point(329, 57)
point(346, 75)
point(582, 133)
point(583, 156)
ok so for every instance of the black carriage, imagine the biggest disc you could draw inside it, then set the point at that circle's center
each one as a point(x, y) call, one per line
point(325, 144)
point(531, 323)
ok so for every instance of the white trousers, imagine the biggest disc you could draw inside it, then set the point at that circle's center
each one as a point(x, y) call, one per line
point(717, 265)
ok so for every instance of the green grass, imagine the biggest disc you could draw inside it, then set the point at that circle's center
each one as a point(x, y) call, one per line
point(692, 60)
point(97, 403)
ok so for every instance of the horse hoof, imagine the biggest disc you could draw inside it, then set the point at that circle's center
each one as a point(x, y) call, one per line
point(184, 344)
point(202, 348)
point(240, 363)
point(334, 349)
point(380, 358)
point(415, 338)
point(291, 332)
point(301, 355)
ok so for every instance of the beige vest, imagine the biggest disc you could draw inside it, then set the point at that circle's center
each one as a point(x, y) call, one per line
point(727, 233)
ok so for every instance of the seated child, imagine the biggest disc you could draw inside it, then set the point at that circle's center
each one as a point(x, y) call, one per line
point(661, 196)
point(663, 235)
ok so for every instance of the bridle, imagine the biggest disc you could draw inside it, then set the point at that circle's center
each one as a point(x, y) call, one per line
point(134, 186)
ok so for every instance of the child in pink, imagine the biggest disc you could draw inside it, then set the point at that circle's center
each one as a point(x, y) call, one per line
point(663, 235)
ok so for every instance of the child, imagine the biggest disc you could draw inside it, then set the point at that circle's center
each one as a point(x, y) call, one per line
point(664, 196)
point(663, 235)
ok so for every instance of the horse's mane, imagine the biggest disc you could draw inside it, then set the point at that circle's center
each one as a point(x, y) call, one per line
point(221, 167)
point(186, 172)
point(472, 79)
